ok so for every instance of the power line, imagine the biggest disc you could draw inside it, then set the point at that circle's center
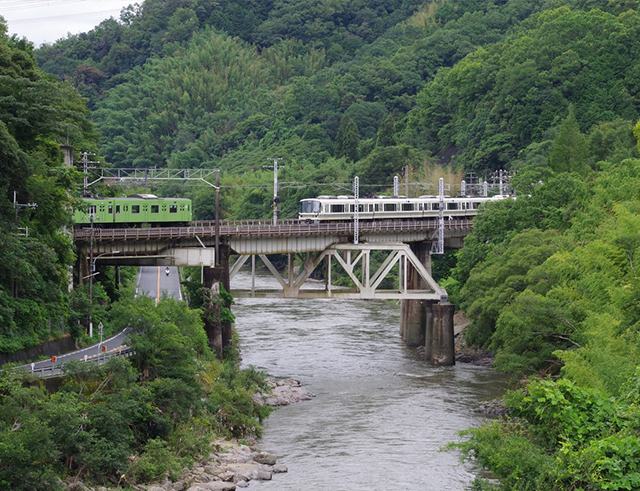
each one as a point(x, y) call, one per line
point(48, 17)
point(31, 4)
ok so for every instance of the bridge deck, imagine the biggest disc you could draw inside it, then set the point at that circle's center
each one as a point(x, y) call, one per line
point(259, 229)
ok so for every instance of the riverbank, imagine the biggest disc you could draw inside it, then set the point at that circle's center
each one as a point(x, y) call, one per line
point(231, 464)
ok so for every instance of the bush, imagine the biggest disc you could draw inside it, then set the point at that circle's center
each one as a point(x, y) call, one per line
point(155, 462)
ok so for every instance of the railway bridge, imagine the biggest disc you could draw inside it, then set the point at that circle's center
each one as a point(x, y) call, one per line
point(386, 259)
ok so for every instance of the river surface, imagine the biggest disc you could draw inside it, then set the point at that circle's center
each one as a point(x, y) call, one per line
point(380, 416)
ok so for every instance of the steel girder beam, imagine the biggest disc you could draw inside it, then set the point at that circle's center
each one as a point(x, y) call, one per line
point(353, 260)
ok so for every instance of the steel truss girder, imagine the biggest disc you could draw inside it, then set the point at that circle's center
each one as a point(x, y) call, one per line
point(354, 260)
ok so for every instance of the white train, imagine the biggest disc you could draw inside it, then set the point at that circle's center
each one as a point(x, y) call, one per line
point(384, 208)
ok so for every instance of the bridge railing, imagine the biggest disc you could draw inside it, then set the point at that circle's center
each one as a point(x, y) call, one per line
point(261, 228)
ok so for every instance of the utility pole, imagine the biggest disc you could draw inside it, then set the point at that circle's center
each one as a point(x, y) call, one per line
point(87, 165)
point(20, 206)
point(217, 223)
point(440, 245)
point(276, 197)
point(406, 181)
point(24, 231)
point(396, 186)
point(91, 272)
point(356, 210)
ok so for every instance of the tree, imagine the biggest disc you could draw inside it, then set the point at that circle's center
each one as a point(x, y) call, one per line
point(347, 139)
point(569, 149)
point(386, 132)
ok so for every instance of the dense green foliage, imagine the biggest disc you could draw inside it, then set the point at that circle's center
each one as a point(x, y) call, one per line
point(364, 90)
point(235, 103)
point(498, 100)
point(549, 88)
point(130, 420)
point(551, 283)
point(158, 27)
point(36, 113)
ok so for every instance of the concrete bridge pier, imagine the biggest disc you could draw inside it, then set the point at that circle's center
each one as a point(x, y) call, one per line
point(413, 316)
point(439, 335)
point(218, 330)
point(82, 268)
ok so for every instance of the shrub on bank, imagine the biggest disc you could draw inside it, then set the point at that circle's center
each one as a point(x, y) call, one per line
point(130, 420)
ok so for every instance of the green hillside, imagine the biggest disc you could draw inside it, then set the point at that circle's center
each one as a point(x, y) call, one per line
point(36, 114)
point(548, 89)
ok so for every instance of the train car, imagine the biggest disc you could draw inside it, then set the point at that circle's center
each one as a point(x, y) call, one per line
point(336, 208)
point(144, 210)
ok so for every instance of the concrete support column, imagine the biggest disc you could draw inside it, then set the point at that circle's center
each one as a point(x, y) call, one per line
point(219, 333)
point(439, 338)
point(428, 331)
point(412, 321)
point(82, 268)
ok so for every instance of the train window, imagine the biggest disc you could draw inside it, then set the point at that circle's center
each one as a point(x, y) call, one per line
point(407, 206)
point(377, 207)
point(173, 209)
point(350, 208)
point(117, 208)
point(135, 208)
point(91, 210)
point(110, 210)
point(476, 205)
point(389, 207)
point(337, 208)
point(155, 209)
point(452, 206)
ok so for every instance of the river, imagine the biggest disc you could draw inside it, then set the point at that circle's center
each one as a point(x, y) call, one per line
point(380, 416)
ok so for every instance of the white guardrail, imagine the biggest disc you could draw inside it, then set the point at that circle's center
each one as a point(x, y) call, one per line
point(96, 354)
point(57, 369)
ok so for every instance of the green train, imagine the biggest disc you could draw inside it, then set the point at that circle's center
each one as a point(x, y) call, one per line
point(138, 210)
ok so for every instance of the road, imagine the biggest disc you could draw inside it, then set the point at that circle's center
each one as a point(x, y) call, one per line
point(106, 349)
point(155, 283)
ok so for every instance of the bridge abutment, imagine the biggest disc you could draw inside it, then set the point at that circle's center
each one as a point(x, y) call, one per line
point(412, 320)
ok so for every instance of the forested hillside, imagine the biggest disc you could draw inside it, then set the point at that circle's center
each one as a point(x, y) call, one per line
point(549, 89)
point(287, 83)
point(36, 115)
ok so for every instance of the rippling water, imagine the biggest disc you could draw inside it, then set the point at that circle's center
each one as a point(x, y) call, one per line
point(380, 416)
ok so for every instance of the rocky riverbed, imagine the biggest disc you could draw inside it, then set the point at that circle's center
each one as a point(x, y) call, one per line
point(282, 392)
point(230, 465)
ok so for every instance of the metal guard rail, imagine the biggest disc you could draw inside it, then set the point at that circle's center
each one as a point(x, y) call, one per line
point(57, 370)
point(264, 229)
